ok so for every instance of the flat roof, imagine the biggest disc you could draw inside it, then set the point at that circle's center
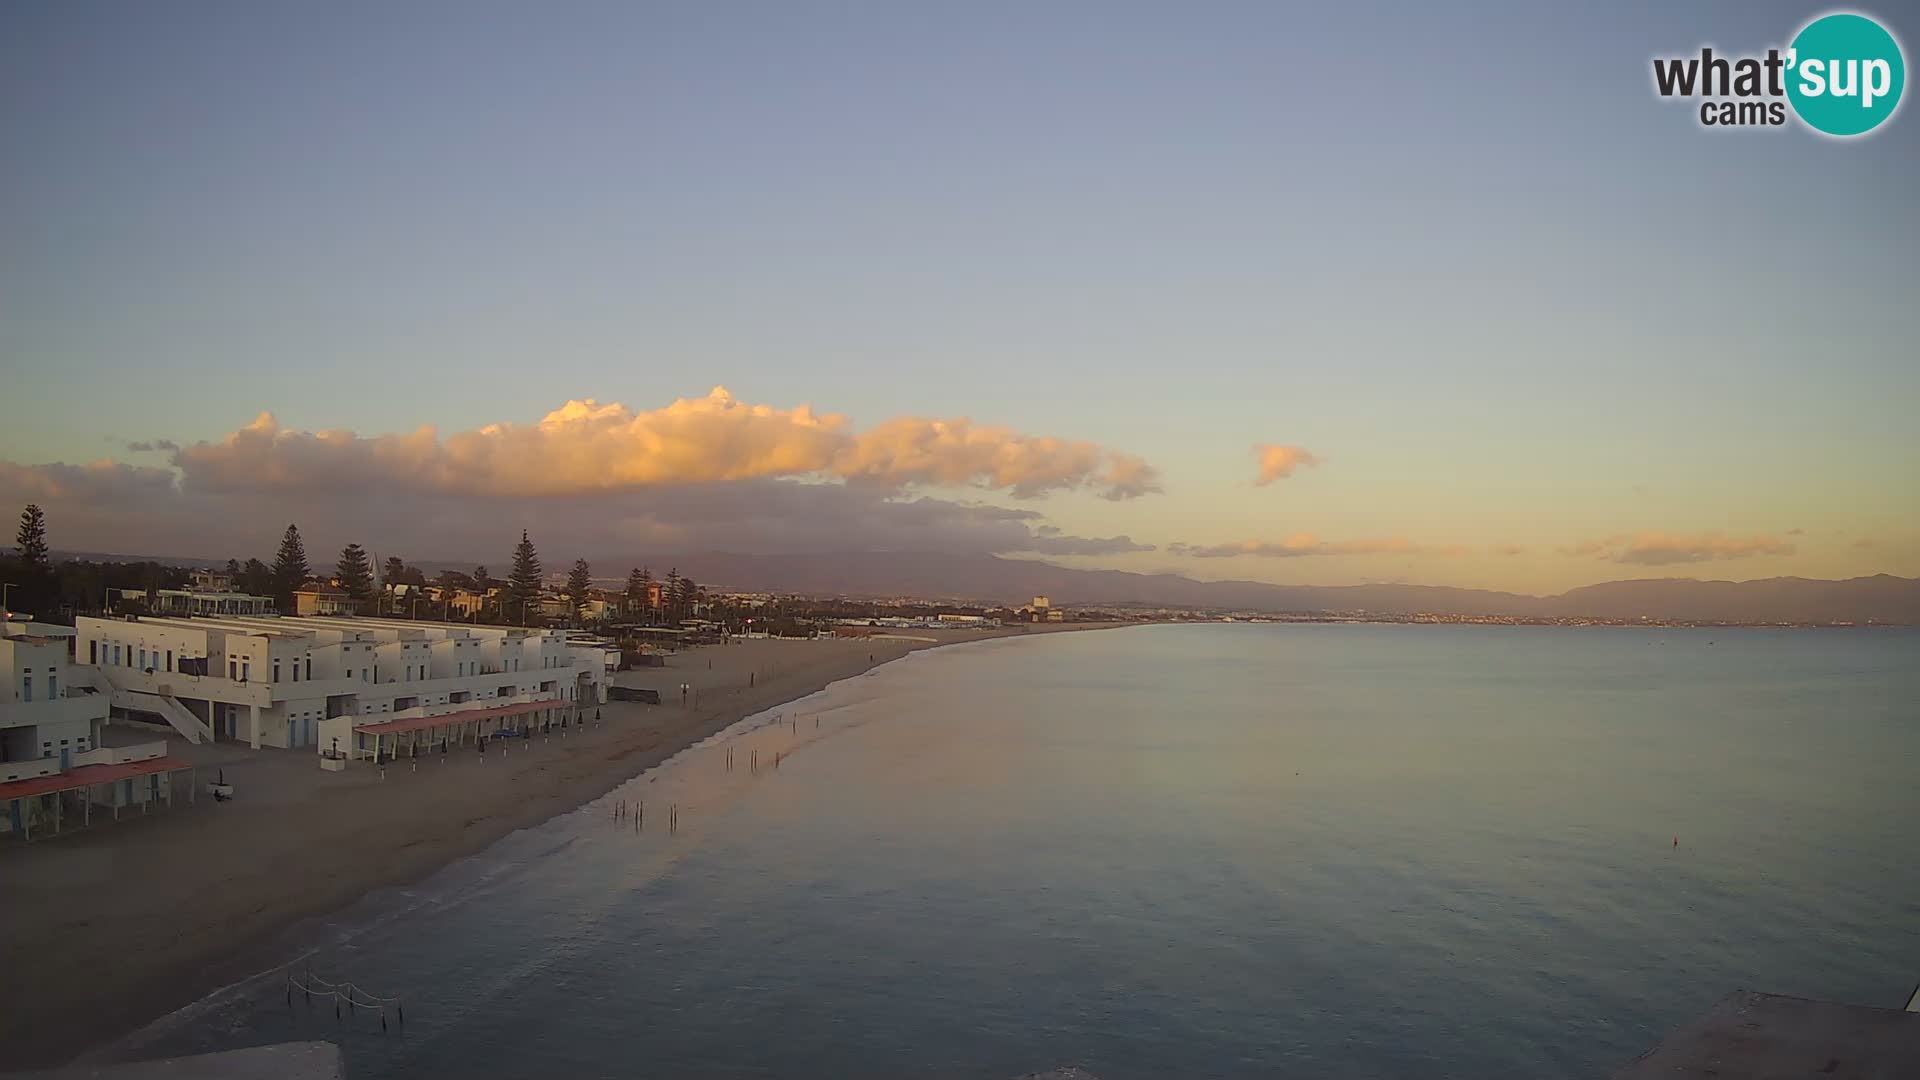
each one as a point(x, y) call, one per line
point(1773, 1037)
point(87, 776)
point(494, 712)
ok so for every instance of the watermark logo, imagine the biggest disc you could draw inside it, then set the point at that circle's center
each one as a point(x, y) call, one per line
point(1842, 75)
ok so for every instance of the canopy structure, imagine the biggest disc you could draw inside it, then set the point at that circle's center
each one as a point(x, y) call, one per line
point(492, 712)
point(385, 740)
point(15, 794)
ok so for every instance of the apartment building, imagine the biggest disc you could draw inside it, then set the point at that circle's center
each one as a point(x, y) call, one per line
point(46, 717)
point(272, 682)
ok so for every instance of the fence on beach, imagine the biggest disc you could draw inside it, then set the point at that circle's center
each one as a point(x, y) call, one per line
point(344, 992)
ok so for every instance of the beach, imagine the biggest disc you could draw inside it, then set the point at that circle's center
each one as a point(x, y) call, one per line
point(111, 928)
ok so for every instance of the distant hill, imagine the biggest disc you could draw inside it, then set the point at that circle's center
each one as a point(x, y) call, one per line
point(990, 578)
point(1882, 598)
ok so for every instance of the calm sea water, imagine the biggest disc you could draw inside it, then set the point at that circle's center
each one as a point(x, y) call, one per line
point(1197, 851)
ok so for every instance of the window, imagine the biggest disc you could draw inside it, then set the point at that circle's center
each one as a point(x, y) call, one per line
point(276, 669)
point(53, 685)
point(169, 659)
point(309, 669)
point(116, 656)
point(26, 688)
point(143, 660)
point(233, 669)
point(93, 652)
point(246, 670)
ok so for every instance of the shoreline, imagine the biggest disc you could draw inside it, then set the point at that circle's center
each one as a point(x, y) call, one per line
point(120, 926)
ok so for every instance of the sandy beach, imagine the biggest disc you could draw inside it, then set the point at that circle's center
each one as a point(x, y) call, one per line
point(111, 928)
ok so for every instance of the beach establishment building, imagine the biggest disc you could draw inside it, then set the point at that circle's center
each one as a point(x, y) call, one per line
point(279, 682)
point(53, 769)
point(322, 600)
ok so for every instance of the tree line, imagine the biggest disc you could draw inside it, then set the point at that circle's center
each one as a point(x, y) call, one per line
point(36, 584)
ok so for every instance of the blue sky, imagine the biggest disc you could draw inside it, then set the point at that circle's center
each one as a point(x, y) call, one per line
point(1465, 256)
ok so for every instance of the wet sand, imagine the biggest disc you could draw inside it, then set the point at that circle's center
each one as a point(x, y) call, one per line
point(108, 929)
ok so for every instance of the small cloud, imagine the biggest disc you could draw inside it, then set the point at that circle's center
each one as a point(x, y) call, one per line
point(1278, 462)
point(153, 446)
point(1053, 543)
point(1665, 549)
point(1507, 549)
point(1863, 542)
point(1796, 532)
point(1302, 545)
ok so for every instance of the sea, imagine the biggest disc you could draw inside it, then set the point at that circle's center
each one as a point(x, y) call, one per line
point(1223, 850)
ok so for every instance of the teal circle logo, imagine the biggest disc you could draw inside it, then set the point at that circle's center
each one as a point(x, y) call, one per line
point(1845, 74)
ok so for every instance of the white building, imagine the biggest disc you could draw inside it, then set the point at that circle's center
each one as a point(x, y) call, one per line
point(46, 718)
point(275, 682)
point(53, 770)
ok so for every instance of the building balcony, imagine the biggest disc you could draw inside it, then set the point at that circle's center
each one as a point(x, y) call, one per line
point(81, 706)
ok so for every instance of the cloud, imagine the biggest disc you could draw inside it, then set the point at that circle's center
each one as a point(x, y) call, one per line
point(585, 446)
point(99, 481)
point(148, 447)
point(1278, 462)
point(1665, 549)
point(1796, 532)
point(1086, 545)
point(1863, 542)
point(1302, 545)
point(140, 510)
point(1507, 549)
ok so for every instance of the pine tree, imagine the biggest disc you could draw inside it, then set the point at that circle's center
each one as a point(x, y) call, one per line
point(394, 571)
point(686, 597)
point(482, 581)
point(524, 582)
point(355, 571)
point(636, 590)
point(30, 543)
point(579, 581)
point(233, 568)
point(290, 570)
point(670, 595)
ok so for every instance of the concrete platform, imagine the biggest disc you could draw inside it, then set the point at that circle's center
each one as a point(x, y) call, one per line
point(1750, 1036)
point(281, 1061)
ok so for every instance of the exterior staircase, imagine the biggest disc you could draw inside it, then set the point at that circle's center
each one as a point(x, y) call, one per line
point(162, 704)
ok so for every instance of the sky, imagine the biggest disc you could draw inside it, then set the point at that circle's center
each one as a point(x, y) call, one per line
point(1308, 294)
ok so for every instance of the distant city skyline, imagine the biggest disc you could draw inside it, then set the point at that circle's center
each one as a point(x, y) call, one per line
point(1177, 290)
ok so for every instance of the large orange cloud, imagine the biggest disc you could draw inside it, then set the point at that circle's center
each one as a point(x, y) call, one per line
point(585, 446)
point(1655, 548)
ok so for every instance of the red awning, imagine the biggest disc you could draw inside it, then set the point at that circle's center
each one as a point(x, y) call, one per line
point(496, 712)
point(87, 776)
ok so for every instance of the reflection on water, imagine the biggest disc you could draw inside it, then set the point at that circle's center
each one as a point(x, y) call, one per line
point(1204, 851)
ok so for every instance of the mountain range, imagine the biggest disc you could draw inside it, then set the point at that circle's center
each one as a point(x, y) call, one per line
point(1881, 598)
